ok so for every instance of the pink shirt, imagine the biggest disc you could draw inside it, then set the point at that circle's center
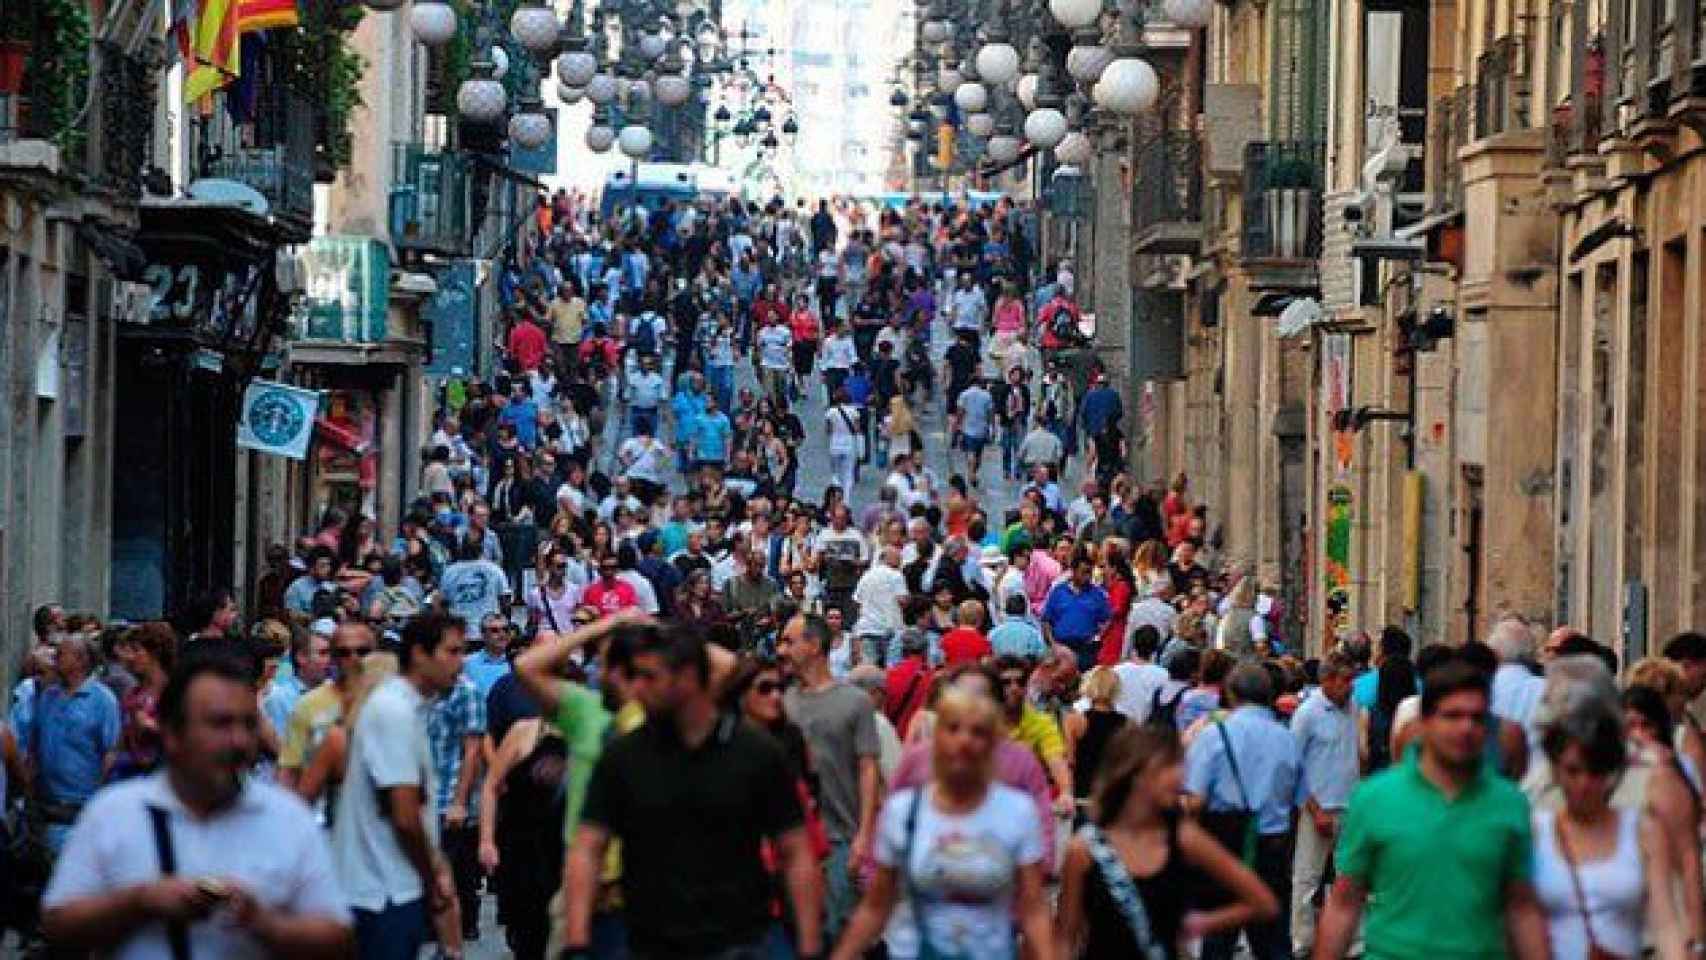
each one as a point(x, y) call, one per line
point(1040, 576)
point(1009, 317)
point(1015, 765)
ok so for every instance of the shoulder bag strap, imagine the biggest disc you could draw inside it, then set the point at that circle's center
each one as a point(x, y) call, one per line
point(545, 601)
point(1576, 883)
point(177, 933)
point(906, 865)
point(1122, 891)
point(1232, 761)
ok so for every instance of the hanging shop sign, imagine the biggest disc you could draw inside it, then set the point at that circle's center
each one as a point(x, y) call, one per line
point(277, 419)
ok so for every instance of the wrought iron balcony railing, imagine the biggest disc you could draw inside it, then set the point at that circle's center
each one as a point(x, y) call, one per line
point(1452, 121)
point(273, 153)
point(1501, 87)
point(429, 208)
point(1167, 196)
point(1282, 200)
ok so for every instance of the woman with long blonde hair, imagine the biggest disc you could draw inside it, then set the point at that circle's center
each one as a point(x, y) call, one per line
point(1148, 565)
point(900, 427)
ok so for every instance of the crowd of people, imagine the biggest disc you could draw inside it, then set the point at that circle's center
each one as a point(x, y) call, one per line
point(626, 669)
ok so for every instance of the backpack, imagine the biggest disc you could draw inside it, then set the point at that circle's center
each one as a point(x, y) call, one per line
point(1165, 714)
point(646, 335)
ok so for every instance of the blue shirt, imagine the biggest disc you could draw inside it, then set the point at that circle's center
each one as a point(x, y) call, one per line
point(1266, 755)
point(524, 416)
point(1364, 689)
point(1326, 736)
point(858, 388)
point(711, 436)
point(1018, 637)
point(485, 670)
point(459, 714)
point(1101, 406)
point(281, 698)
point(70, 736)
point(1076, 616)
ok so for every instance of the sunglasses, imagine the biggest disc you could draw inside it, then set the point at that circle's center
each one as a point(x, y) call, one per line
point(341, 652)
point(767, 687)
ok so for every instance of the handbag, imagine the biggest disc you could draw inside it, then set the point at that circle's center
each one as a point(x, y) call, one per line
point(1237, 830)
point(926, 950)
point(1595, 951)
point(1123, 892)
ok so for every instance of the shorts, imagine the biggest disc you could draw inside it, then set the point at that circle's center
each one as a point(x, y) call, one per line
point(973, 445)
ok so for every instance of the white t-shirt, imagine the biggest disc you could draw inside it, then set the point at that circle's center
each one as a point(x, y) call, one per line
point(843, 424)
point(267, 841)
point(1138, 683)
point(774, 344)
point(388, 749)
point(648, 459)
point(839, 353)
point(646, 390)
point(964, 869)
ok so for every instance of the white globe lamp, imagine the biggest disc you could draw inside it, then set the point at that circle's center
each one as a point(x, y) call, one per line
point(1026, 91)
point(577, 67)
point(1086, 62)
point(980, 124)
point(500, 63)
point(480, 99)
point(673, 89)
point(998, 62)
point(534, 27)
point(529, 130)
point(948, 79)
point(599, 137)
point(652, 44)
point(971, 97)
point(1074, 14)
point(635, 141)
point(433, 21)
point(1193, 14)
point(1004, 148)
point(601, 89)
point(1075, 149)
point(1045, 127)
point(1128, 87)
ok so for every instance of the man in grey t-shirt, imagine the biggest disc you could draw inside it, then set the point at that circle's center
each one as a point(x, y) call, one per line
point(975, 409)
point(473, 587)
point(840, 727)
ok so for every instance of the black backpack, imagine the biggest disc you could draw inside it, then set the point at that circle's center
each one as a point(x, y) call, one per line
point(1165, 714)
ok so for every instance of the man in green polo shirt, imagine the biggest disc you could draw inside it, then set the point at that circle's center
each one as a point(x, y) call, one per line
point(1437, 848)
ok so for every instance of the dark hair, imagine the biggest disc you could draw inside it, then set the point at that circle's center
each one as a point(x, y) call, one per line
point(199, 611)
point(158, 639)
point(1145, 640)
point(1580, 644)
point(424, 632)
point(1397, 681)
point(1451, 678)
point(1394, 644)
point(816, 628)
point(1689, 646)
point(1214, 666)
point(1432, 655)
point(43, 618)
point(679, 645)
point(1650, 704)
point(1599, 734)
point(1182, 664)
point(1010, 662)
point(174, 700)
point(1132, 749)
point(1480, 656)
point(321, 552)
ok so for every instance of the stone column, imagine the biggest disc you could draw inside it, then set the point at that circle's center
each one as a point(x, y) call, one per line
point(1109, 275)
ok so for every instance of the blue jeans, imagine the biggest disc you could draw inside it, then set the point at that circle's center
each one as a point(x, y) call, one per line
point(394, 933)
point(608, 936)
point(1010, 440)
point(721, 380)
point(839, 896)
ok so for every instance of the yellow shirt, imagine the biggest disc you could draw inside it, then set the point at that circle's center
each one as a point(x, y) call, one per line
point(1038, 731)
point(567, 318)
point(317, 712)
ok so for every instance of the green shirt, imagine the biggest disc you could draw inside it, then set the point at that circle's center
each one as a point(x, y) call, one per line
point(1436, 869)
point(583, 721)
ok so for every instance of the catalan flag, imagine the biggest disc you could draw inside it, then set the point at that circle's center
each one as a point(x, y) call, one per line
point(253, 15)
point(213, 49)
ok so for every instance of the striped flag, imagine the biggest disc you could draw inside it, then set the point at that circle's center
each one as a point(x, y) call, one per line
point(253, 15)
point(213, 49)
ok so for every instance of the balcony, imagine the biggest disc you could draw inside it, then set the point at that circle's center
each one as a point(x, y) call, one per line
point(1574, 131)
point(429, 209)
point(125, 87)
point(1167, 198)
point(1501, 87)
point(1282, 200)
point(1451, 134)
point(273, 153)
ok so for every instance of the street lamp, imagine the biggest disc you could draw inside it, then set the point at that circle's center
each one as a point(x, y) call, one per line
point(1128, 87)
point(1075, 14)
point(433, 21)
point(535, 28)
point(481, 98)
point(530, 128)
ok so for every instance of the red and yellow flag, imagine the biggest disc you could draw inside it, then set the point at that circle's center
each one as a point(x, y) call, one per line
point(213, 58)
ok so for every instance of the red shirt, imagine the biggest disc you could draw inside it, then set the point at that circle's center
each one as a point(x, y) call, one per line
point(964, 645)
point(610, 598)
point(528, 345)
point(804, 324)
point(908, 684)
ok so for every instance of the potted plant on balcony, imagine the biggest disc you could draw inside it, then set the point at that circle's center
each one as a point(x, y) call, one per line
point(1290, 199)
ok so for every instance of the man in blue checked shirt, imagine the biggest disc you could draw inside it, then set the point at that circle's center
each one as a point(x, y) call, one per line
point(72, 739)
point(1241, 767)
point(455, 728)
point(1325, 727)
point(1075, 612)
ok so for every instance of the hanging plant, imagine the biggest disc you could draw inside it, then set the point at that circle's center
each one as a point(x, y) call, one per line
point(320, 64)
point(56, 79)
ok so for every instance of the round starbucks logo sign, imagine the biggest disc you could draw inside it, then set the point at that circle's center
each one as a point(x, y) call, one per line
point(276, 418)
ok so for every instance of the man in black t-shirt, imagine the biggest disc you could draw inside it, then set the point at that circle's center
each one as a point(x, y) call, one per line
point(692, 794)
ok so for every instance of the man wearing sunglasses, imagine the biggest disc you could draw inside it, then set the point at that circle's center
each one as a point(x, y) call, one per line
point(322, 708)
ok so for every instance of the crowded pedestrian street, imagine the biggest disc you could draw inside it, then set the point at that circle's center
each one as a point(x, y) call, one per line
point(866, 480)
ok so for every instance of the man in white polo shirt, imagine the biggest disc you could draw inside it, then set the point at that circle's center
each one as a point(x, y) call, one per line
point(386, 835)
point(198, 859)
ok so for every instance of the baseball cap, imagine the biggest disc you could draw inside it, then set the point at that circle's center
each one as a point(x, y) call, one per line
point(323, 627)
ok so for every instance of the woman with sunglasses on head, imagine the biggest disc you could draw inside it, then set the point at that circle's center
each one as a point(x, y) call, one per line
point(1141, 852)
point(755, 693)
